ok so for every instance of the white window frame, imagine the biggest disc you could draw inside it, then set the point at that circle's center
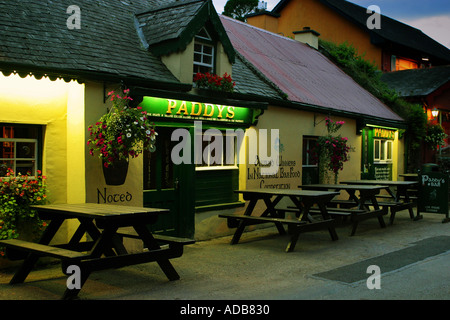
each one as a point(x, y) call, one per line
point(222, 165)
point(14, 159)
point(385, 150)
point(204, 42)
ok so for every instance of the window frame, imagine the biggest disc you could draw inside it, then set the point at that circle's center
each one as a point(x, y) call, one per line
point(202, 41)
point(385, 151)
point(36, 159)
point(223, 165)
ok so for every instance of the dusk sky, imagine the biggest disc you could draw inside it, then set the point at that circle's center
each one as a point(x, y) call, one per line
point(430, 16)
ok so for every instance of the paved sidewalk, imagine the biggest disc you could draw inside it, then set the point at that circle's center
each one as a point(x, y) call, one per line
point(258, 268)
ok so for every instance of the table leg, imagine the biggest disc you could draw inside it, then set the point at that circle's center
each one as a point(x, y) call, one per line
point(152, 244)
point(273, 213)
point(32, 258)
point(371, 196)
point(312, 225)
point(403, 191)
point(242, 224)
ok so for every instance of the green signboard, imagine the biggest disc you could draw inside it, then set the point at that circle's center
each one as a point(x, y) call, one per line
point(433, 193)
point(172, 109)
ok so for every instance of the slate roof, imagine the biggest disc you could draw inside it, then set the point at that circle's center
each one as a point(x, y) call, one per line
point(34, 37)
point(417, 82)
point(171, 27)
point(391, 31)
point(304, 74)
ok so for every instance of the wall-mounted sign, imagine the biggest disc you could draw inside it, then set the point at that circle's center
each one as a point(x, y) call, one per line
point(383, 133)
point(189, 110)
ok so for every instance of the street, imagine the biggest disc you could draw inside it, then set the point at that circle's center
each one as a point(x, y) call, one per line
point(412, 259)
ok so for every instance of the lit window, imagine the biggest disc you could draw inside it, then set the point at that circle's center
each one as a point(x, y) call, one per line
point(219, 150)
point(383, 150)
point(18, 149)
point(398, 64)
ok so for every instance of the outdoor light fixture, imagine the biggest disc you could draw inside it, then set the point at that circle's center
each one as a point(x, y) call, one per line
point(435, 112)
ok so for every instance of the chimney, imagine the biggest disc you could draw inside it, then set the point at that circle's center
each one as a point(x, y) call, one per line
point(308, 36)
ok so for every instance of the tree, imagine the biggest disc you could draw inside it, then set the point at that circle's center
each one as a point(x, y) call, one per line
point(238, 9)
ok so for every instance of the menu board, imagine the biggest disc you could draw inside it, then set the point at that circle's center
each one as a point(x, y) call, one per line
point(433, 192)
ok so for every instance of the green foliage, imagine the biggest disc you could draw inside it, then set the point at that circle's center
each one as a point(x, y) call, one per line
point(366, 74)
point(121, 133)
point(435, 136)
point(331, 151)
point(17, 193)
point(238, 9)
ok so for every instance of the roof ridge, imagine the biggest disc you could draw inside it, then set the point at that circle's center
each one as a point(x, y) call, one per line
point(173, 4)
point(256, 28)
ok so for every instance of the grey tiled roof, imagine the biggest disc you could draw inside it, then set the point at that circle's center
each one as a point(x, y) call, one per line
point(167, 21)
point(417, 82)
point(34, 33)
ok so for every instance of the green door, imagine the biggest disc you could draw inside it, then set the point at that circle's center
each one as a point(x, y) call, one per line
point(169, 186)
point(377, 154)
point(367, 168)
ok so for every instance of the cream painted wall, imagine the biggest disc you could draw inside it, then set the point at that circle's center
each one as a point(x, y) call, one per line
point(57, 106)
point(292, 126)
point(181, 63)
point(131, 192)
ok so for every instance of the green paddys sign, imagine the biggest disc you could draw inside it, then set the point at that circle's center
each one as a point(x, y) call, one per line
point(189, 110)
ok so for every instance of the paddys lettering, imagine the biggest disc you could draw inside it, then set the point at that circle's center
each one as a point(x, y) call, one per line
point(198, 109)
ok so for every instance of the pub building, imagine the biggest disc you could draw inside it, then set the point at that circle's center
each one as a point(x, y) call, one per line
point(56, 75)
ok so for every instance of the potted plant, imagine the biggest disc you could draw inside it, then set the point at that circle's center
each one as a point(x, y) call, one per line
point(17, 193)
point(331, 151)
point(121, 133)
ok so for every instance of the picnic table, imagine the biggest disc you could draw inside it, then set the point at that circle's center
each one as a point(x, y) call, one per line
point(398, 200)
point(303, 201)
point(367, 193)
point(102, 222)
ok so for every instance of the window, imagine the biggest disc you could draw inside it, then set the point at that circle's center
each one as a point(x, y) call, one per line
point(216, 172)
point(203, 53)
point(309, 163)
point(398, 64)
point(18, 149)
point(309, 143)
point(382, 150)
point(219, 150)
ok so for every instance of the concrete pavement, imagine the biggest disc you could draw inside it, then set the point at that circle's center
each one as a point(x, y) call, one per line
point(258, 268)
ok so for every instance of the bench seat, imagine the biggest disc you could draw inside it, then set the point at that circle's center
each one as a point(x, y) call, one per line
point(233, 220)
point(40, 249)
point(356, 215)
point(161, 238)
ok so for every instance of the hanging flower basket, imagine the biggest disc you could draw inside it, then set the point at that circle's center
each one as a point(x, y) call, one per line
point(122, 133)
point(115, 173)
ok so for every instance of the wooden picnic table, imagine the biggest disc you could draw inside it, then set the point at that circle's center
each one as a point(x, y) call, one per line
point(366, 193)
point(400, 198)
point(303, 201)
point(102, 223)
